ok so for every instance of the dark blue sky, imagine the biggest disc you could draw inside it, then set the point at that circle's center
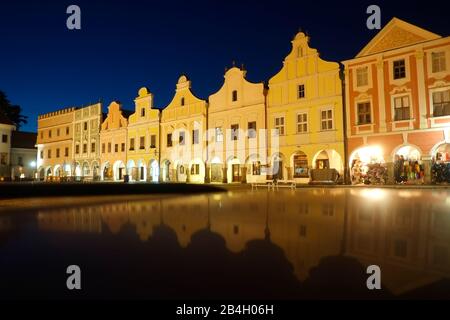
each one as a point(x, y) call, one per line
point(124, 45)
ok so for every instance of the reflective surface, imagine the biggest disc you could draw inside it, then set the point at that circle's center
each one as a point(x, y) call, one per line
point(307, 243)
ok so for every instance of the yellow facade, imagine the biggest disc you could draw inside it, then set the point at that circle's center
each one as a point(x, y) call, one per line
point(305, 111)
point(236, 150)
point(143, 139)
point(183, 133)
point(86, 141)
point(54, 143)
point(113, 142)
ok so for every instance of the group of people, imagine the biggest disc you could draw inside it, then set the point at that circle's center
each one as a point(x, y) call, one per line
point(407, 170)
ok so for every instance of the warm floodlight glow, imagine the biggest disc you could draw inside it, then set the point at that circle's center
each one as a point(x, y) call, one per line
point(373, 194)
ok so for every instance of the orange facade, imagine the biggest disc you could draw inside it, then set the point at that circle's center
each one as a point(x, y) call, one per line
point(397, 99)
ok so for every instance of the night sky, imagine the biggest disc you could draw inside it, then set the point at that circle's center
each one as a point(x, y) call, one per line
point(124, 45)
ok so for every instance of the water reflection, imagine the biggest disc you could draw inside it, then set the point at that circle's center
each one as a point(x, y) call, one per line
point(306, 243)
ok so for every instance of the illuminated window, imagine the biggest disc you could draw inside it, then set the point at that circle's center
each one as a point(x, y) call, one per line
point(441, 103)
point(195, 169)
point(256, 168)
point(364, 113)
point(362, 77)
point(279, 126)
point(302, 122)
point(252, 130)
point(301, 165)
point(219, 134)
point(401, 108)
point(438, 61)
point(326, 118)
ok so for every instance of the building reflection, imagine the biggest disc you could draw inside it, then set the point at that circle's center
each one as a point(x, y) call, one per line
point(409, 238)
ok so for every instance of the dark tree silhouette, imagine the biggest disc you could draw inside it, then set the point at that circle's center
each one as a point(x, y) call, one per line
point(12, 111)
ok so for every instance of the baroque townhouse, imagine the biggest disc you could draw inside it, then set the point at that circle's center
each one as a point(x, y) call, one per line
point(54, 144)
point(398, 105)
point(86, 141)
point(113, 143)
point(237, 150)
point(183, 136)
point(143, 139)
point(305, 112)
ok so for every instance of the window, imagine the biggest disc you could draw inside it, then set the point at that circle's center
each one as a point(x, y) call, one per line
point(42, 155)
point(251, 130)
point(301, 91)
point(20, 161)
point(116, 147)
point(219, 134)
point(362, 77)
point(234, 96)
point(234, 132)
point(109, 147)
point(364, 113)
point(142, 143)
point(42, 134)
point(57, 132)
point(143, 112)
point(302, 231)
point(84, 147)
point(169, 139)
point(122, 147)
point(302, 122)
point(438, 61)
point(77, 149)
point(326, 119)
point(195, 136)
point(3, 158)
point(4, 138)
point(103, 148)
point(67, 130)
point(182, 101)
point(49, 133)
point(401, 108)
point(279, 126)
point(66, 152)
point(300, 165)
point(181, 137)
point(93, 147)
point(441, 103)
point(57, 152)
point(399, 69)
point(195, 169)
point(85, 126)
point(153, 141)
point(49, 154)
point(256, 168)
point(132, 144)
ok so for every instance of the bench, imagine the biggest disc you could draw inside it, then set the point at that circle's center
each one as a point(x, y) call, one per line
point(286, 184)
point(267, 183)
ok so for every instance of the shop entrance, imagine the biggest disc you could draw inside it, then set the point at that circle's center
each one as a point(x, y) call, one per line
point(408, 167)
point(236, 170)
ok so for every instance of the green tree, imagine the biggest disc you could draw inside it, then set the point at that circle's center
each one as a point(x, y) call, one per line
point(12, 111)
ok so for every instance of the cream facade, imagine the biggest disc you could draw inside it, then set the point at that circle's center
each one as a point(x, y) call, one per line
point(113, 144)
point(86, 142)
point(143, 139)
point(237, 149)
point(54, 144)
point(183, 136)
point(6, 129)
point(304, 108)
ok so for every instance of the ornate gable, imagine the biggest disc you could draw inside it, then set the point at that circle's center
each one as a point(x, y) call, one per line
point(397, 34)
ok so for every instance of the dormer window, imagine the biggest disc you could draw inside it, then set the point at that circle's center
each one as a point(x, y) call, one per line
point(182, 101)
point(300, 52)
point(143, 112)
point(234, 96)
